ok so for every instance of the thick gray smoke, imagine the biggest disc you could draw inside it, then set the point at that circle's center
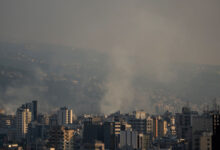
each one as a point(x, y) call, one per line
point(119, 90)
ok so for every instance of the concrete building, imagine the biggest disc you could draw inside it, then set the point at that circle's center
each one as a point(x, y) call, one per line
point(125, 126)
point(117, 127)
point(106, 132)
point(149, 125)
point(92, 131)
point(7, 121)
point(116, 133)
point(96, 145)
point(23, 118)
point(24, 115)
point(200, 124)
point(138, 122)
point(61, 138)
point(167, 143)
point(155, 127)
point(159, 127)
point(216, 131)
point(128, 140)
point(162, 128)
point(202, 140)
point(111, 135)
point(32, 108)
point(144, 141)
point(172, 126)
point(140, 114)
point(206, 141)
point(64, 116)
point(184, 124)
point(147, 141)
point(36, 136)
point(8, 126)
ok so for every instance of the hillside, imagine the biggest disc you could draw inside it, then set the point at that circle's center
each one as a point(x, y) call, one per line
point(59, 76)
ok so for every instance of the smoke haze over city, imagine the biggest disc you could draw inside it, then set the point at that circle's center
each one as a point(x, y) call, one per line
point(117, 55)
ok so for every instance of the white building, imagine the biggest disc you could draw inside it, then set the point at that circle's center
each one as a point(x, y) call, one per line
point(23, 118)
point(65, 116)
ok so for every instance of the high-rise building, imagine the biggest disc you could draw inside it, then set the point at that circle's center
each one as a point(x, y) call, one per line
point(138, 122)
point(206, 141)
point(53, 120)
point(32, 108)
point(149, 125)
point(200, 124)
point(96, 145)
point(162, 128)
point(92, 131)
point(132, 140)
point(36, 137)
point(184, 124)
point(116, 133)
point(216, 131)
point(139, 114)
point(111, 135)
point(23, 118)
point(7, 121)
point(3, 140)
point(8, 126)
point(202, 140)
point(159, 127)
point(61, 138)
point(147, 141)
point(142, 141)
point(107, 132)
point(172, 126)
point(65, 116)
point(117, 127)
point(128, 139)
point(155, 127)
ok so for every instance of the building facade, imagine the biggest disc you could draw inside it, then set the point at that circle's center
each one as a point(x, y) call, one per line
point(23, 118)
point(61, 138)
point(64, 116)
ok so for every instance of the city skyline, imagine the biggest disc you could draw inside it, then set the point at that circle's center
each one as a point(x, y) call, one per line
point(62, 130)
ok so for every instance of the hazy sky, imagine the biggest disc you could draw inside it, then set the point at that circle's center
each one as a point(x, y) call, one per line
point(167, 30)
point(139, 35)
